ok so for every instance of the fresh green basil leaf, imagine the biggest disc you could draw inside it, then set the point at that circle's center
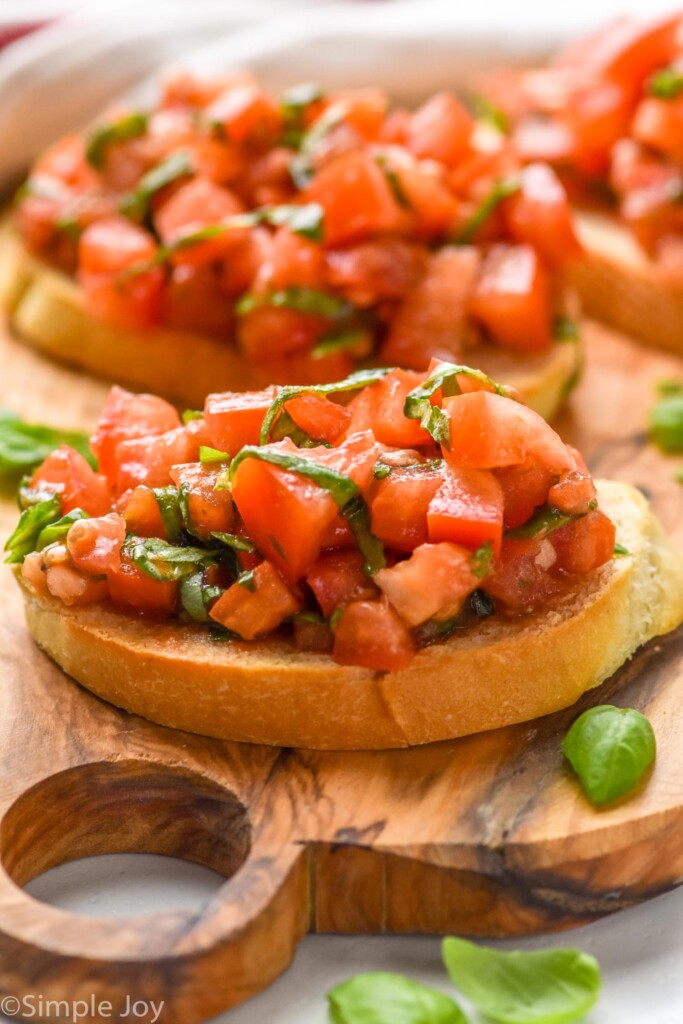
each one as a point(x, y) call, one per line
point(489, 114)
point(306, 220)
point(341, 488)
point(234, 541)
point(340, 340)
point(130, 126)
point(565, 328)
point(207, 454)
point(545, 520)
point(384, 998)
point(381, 471)
point(500, 191)
point(196, 596)
point(552, 986)
point(25, 445)
point(303, 300)
point(168, 501)
point(32, 522)
point(357, 515)
point(418, 404)
point(136, 204)
point(192, 414)
point(666, 84)
point(301, 168)
point(56, 532)
point(482, 559)
point(354, 382)
point(247, 580)
point(610, 749)
point(295, 102)
point(666, 424)
point(163, 561)
point(620, 551)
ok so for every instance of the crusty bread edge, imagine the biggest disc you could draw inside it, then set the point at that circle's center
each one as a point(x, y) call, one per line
point(46, 310)
point(620, 286)
point(496, 673)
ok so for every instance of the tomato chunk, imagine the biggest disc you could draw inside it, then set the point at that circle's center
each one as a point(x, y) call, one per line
point(297, 261)
point(108, 249)
point(141, 512)
point(440, 130)
point(66, 473)
point(399, 506)
point(373, 635)
point(130, 587)
point(255, 612)
point(95, 544)
point(234, 419)
point(539, 214)
point(522, 580)
point(432, 584)
point(337, 578)
point(245, 112)
point(148, 460)
point(511, 298)
point(585, 544)
point(126, 416)
point(320, 418)
point(209, 510)
point(525, 487)
point(356, 198)
point(379, 408)
point(467, 509)
point(65, 582)
point(198, 204)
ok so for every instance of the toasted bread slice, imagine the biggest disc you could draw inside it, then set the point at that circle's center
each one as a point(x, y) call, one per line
point(621, 286)
point(46, 309)
point(497, 672)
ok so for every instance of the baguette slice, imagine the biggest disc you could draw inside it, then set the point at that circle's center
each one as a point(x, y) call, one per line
point(495, 673)
point(620, 286)
point(46, 309)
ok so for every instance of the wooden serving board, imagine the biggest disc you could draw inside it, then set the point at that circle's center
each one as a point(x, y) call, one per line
point(486, 836)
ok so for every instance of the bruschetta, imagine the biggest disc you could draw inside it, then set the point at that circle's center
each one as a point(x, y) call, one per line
point(393, 559)
point(225, 240)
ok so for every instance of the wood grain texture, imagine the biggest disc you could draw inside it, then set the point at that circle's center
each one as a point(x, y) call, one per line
point(488, 835)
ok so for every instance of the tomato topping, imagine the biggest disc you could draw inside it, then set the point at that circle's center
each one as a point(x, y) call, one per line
point(369, 272)
point(511, 298)
point(373, 635)
point(431, 203)
point(432, 583)
point(539, 215)
point(112, 253)
point(269, 332)
point(296, 261)
point(585, 544)
point(521, 580)
point(254, 608)
point(525, 486)
point(141, 512)
point(244, 113)
point(440, 130)
point(379, 408)
point(209, 510)
point(399, 506)
point(467, 509)
point(148, 460)
point(356, 198)
point(318, 417)
point(659, 123)
point(126, 416)
point(195, 300)
point(337, 578)
point(66, 583)
point(131, 588)
point(235, 419)
point(574, 493)
point(198, 204)
point(66, 473)
point(95, 544)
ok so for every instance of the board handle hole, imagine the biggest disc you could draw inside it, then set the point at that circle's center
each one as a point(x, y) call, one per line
point(129, 806)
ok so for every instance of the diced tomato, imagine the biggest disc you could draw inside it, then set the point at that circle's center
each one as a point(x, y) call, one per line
point(133, 303)
point(585, 543)
point(525, 487)
point(312, 636)
point(543, 138)
point(432, 320)
point(297, 261)
point(440, 130)
point(195, 301)
point(130, 587)
point(251, 613)
point(574, 493)
point(111, 251)
point(209, 510)
point(373, 635)
point(597, 116)
point(433, 206)
point(364, 110)
point(199, 203)
point(126, 416)
point(148, 460)
point(511, 298)
point(183, 88)
point(320, 418)
point(338, 534)
point(399, 506)
point(234, 419)
point(467, 509)
point(95, 544)
point(356, 198)
point(355, 457)
point(489, 431)
point(396, 126)
point(628, 51)
point(115, 244)
point(271, 332)
point(248, 253)
point(65, 160)
point(66, 473)
point(65, 582)
point(379, 408)
point(337, 578)
point(431, 584)
point(305, 368)
point(659, 123)
point(218, 159)
point(246, 113)
point(539, 214)
point(521, 579)
point(34, 572)
point(381, 268)
point(268, 179)
point(141, 512)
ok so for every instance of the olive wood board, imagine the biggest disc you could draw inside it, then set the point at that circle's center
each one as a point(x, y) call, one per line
point(483, 836)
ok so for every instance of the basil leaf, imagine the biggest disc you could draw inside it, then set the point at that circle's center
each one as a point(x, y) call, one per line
point(137, 203)
point(485, 111)
point(56, 532)
point(544, 521)
point(207, 454)
point(565, 328)
point(305, 220)
point(165, 562)
point(500, 191)
point(418, 406)
point(130, 126)
point(247, 580)
point(192, 414)
point(196, 596)
point(666, 424)
point(357, 515)
point(380, 471)
point(294, 104)
point(355, 381)
point(25, 445)
point(543, 987)
point(620, 550)
point(340, 487)
point(669, 386)
point(384, 998)
point(610, 749)
point(234, 541)
point(301, 168)
point(666, 84)
point(168, 501)
point(303, 300)
point(339, 341)
point(482, 559)
point(32, 522)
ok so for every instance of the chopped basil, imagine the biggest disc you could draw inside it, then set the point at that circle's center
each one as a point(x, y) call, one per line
point(355, 381)
point(666, 424)
point(489, 114)
point(311, 617)
point(666, 84)
point(301, 168)
point(384, 998)
point(25, 445)
point(234, 541)
point(130, 126)
point(500, 191)
point(339, 340)
point(32, 522)
point(192, 414)
point(247, 580)
point(620, 550)
point(306, 220)
point(610, 749)
point(552, 986)
point(418, 406)
point(482, 559)
point(381, 471)
point(165, 562)
point(137, 203)
point(565, 328)
point(56, 532)
point(196, 595)
point(286, 427)
point(481, 604)
point(168, 500)
point(303, 300)
point(669, 386)
point(357, 515)
point(207, 454)
point(544, 521)
point(294, 104)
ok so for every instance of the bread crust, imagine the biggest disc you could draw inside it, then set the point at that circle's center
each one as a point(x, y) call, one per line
point(492, 674)
point(46, 310)
point(621, 286)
